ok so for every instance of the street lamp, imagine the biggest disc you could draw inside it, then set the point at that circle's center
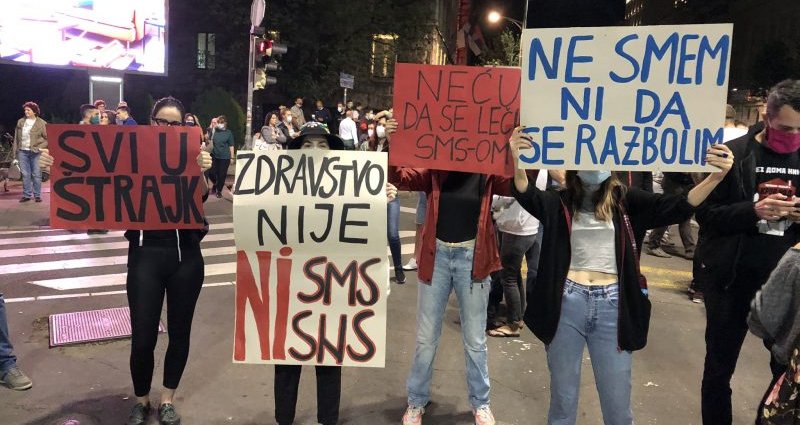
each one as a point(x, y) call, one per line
point(495, 17)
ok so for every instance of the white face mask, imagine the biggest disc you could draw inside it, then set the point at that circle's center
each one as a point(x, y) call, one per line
point(380, 131)
point(289, 118)
point(220, 126)
point(340, 109)
point(370, 132)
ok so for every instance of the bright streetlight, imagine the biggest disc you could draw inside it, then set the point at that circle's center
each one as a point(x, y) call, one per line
point(495, 17)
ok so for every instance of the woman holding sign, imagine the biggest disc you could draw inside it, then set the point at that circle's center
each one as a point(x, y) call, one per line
point(161, 263)
point(589, 289)
point(313, 135)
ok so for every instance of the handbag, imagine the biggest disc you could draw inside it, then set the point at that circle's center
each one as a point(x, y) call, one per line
point(781, 405)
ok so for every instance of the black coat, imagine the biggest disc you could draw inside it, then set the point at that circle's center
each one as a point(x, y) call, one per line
point(645, 210)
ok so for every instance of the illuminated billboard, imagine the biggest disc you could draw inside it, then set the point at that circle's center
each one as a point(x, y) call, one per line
point(127, 35)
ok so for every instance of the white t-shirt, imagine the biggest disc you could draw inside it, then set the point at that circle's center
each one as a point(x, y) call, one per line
point(25, 142)
point(513, 218)
point(348, 130)
point(730, 133)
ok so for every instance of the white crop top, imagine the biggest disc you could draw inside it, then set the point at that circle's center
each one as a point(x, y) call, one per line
point(593, 244)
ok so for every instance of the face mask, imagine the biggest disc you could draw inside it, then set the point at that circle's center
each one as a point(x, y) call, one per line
point(380, 131)
point(119, 121)
point(370, 132)
point(782, 142)
point(593, 178)
point(288, 118)
point(95, 120)
point(319, 108)
point(340, 109)
point(190, 123)
point(220, 126)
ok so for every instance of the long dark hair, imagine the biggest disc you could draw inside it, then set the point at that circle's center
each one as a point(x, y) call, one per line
point(269, 116)
point(196, 123)
point(604, 200)
point(166, 102)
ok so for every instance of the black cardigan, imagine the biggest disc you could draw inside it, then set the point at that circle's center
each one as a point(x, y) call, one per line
point(645, 210)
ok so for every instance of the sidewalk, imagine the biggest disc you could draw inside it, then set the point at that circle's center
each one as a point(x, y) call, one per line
point(29, 215)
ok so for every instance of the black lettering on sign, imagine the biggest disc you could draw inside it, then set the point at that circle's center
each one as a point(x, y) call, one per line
point(184, 149)
point(61, 189)
point(362, 337)
point(344, 223)
point(77, 153)
point(308, 339)
point(249, 160)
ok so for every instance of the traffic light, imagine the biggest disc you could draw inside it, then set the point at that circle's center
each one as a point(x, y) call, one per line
point(265, 61)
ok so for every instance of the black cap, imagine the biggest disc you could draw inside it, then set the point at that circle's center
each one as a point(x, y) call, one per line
point(314, 128)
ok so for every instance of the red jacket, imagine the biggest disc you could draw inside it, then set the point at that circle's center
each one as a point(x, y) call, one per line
point(486, 258)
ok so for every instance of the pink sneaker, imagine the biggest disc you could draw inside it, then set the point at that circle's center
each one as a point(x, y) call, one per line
point(483, 416)
point(413, 415)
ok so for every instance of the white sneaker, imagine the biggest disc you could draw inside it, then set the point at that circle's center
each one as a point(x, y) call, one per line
point(413, 415)
point(483, 416)
point(411, 265)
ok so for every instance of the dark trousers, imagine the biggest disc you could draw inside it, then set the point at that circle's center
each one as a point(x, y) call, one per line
point(512, 249)
point(697, 266)
point(685, 228)
point(329, 390)
point(219, 171)
point(153, 272)
point(726, 328)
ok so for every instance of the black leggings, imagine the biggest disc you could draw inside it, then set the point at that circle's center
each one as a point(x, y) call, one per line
point(329, 391)
point(152, 272)
point(219, 171)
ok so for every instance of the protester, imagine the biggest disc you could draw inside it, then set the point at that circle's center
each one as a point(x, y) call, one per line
point(419, 222)
point(744, 239)
point(322, 115)
point(10, 374)
point(222, 154)
point(212, 129)
point(348, 131)
point(89, 115)
point(458, 252)
point(100, 105)
point(588, 290)
point(337, 116)
point(270, 132)
point(731, 128)
point(30, 136)
point(775, 318)
point(124, 116)
point(105, 119)
point(329, 378)
point(519, 237)
point(674, 184)
point(298, 115)
point(161, 263)
point(287, 125)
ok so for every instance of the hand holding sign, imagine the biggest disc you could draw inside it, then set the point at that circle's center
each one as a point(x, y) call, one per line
point(719, 156)
point(204, 160)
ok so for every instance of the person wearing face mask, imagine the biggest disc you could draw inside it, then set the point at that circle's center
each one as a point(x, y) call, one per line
point(287, 125)
point(89, 115)
point(298, 115)
point(588, 289)
point(748, 223)
point(338, 116)
point(323, 116)
point(221, 154)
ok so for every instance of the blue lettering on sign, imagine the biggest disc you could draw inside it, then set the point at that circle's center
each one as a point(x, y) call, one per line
point(631, 145)
point(686, 57)
point(653, 50)
point(610, 149)
point(641, 95)
point(548, 144)
point(722, 48)
point(586, 135)
point(582, 108)
point(668, 160)
point(649, 146)
point(675, 106)
point(534, 158)
point(620, 49)
point(537, 52)
point(572, 59)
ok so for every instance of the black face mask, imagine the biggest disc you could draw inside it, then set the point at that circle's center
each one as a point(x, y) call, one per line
point(191, 124)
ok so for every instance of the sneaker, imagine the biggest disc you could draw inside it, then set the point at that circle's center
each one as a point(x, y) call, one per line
point(139, 414)
point(219, 195)
point(411, 265)
point(38, 199)
point(657, 252)
point(483, 416)
point(697, 297)
point(24, 199)
point(399, 276)
point(16, 379)
point(413, 415)
point(167, 415)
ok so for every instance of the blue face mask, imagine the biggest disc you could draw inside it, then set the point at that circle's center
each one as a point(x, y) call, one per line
point(94, 120)
point(594, 178)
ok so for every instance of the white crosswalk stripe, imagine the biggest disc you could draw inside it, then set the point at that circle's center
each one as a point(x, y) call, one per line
point(69, 265)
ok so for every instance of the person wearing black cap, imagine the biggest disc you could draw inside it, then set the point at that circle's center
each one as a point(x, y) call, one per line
point(313, 135)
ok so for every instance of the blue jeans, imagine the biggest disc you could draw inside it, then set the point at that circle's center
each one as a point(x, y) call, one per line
point(589, 316)
point(31, 173)
point(452, 270)
point(422, 208)
point(393, 213)
point(7, 358)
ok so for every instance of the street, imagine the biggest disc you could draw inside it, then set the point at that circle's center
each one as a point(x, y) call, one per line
point(48, 271)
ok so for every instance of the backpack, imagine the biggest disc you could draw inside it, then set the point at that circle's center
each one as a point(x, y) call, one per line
point(781, 405)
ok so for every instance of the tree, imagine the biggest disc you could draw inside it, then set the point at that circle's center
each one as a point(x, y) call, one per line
point(504, 50)
point(216, 102)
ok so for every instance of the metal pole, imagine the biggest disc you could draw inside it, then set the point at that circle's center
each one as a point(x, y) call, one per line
point(345, 96)
point(248, 137)
point(525, 17)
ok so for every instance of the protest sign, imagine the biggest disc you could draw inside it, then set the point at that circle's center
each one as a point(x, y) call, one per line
point(312, 270)
point(455, 117)
point(125, 177)
point(624, 98)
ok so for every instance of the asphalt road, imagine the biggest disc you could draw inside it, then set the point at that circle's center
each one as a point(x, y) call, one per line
point(46, 272)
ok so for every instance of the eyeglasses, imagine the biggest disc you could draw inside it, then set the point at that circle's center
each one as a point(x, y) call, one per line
point(163, 122)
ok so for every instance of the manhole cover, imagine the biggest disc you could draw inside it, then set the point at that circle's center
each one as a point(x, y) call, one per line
point(90, 326)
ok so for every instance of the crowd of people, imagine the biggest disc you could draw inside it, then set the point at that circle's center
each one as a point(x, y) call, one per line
point(580, 233)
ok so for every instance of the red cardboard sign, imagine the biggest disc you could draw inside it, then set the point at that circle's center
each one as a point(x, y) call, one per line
point(125, 177)
point(455, 117)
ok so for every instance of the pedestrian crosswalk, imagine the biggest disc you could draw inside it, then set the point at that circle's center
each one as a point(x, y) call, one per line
point(52, 264)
